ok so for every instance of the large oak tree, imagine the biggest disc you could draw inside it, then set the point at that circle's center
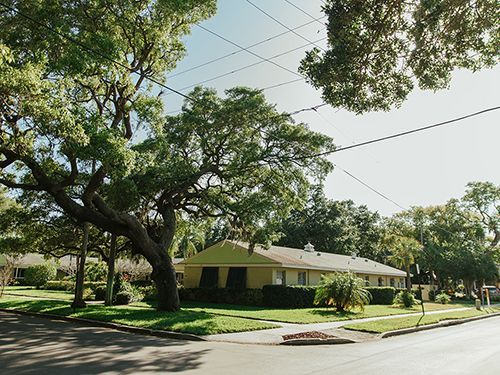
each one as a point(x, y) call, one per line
point(89, 132)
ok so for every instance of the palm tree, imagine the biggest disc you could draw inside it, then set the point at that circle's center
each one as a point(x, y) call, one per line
point(404, 251)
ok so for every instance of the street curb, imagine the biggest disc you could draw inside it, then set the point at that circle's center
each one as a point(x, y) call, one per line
point(116, 326)
point(332, 341)
point(445, 323)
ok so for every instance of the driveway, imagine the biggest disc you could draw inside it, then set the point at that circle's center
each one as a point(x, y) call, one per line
point(30, 345)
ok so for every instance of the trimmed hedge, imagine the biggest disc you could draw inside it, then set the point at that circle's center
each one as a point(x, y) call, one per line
point(248, 297)
point(288, 296)
point(381, 295)
point(70, 285)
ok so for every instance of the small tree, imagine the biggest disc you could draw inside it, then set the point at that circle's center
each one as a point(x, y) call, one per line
point(39, 274)
point(7, 271)
point(344, 290)
point(404, 251)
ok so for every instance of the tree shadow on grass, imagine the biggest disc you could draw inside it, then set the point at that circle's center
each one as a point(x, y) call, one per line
point(336, 315)
point(196, 322)
point(31, 345)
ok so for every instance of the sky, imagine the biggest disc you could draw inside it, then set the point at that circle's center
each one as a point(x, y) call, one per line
point(422, 169)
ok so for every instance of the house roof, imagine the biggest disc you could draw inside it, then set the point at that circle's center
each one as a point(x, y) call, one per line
point(299, 258)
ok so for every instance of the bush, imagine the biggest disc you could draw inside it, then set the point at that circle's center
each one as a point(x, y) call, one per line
point(381, 295)
point(100, 293)
point(344, 290)
point(87, 294)
point(70, 285)
point(442, 298)
point(246, 297)
point(149, 292)
point(96, 271)
point(39, 274)
point(124, 293)
point(405, 299)
point(285, 296)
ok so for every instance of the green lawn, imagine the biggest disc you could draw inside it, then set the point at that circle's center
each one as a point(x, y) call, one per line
point(380, 326)
point(308, 315)
point(185, 320)
point(30, 291)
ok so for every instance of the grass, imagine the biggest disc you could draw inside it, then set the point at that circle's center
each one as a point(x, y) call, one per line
point(303, 316)
point(188, 321)
point(30, 291)
point(385, 325)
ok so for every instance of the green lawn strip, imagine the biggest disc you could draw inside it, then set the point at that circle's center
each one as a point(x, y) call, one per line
point(304, 316)
point(30, 291)
point(392, 324)
point(188, 321)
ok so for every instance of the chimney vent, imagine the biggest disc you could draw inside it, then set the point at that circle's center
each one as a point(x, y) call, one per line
point(309, 248)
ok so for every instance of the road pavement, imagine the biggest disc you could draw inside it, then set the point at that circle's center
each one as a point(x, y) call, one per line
point(30, 345)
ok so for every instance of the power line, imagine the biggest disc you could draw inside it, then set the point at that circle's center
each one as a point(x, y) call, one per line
point(282, 24)
point(241, 49)
point(376, 140)
point(303, 11)
point(282, 84)
point(249, 51)
point(248, 66)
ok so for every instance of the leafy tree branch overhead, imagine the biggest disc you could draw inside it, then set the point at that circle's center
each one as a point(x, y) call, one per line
point(70, 122)
point(379, 51)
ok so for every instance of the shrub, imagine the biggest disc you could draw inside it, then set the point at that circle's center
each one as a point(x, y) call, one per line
point(39, 274)
point(87, 294)
point(381, 295)
point(344, 290)
point(149, 292)
point(124, 293)
point(442, 298)
point(100, 293)
point(246, 297)
point(96, 271)
point(288, 296)
point(70, 285)
point(405, 299)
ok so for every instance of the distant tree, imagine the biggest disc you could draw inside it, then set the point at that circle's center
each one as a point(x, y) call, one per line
point(338, 227)
point(404, 251)
point(378, 51)
point(483, 198)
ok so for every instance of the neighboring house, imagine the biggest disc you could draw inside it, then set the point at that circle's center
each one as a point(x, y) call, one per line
point(64, 264)
point(68, 262)
point(229, 264)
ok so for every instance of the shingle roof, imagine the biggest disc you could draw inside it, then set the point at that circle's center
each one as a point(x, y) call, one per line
point(298, 258)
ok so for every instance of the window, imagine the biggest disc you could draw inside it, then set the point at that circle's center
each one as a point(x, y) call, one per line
point(19, 273)
point(179, 277)
point(209, 277)
point(392, 282)
point(281, 277)
point(237, 278)
point(380, 281)
point(302, 278)
point(367, 280)
point(402, 282)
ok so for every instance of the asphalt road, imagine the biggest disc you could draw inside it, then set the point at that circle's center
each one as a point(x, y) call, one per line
point(31, 345)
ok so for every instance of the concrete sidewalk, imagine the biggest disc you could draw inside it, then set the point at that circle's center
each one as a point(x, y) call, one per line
point(274, 336)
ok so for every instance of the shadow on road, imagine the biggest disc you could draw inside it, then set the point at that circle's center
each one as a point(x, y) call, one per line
point(38, 346)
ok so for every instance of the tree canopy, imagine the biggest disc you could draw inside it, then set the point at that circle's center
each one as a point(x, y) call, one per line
point(81, 122)
point(380, 50)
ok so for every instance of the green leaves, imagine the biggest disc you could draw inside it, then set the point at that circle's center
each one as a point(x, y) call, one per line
point(344, 290)
point(378, 50)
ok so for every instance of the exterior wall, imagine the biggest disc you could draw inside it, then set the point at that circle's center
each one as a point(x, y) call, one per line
point(192, 276)
point(223, 271)
point(314, 277)
point(258, 277)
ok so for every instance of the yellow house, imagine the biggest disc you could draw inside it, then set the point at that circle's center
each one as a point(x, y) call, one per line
point(228, 264)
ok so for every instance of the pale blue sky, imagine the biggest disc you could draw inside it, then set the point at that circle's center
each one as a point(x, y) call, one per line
point(420, 169)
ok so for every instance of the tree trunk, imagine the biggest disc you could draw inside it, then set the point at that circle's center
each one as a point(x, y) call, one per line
point(164, 277)
point(111, 271)
point(78, 302)
point(408, 279)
